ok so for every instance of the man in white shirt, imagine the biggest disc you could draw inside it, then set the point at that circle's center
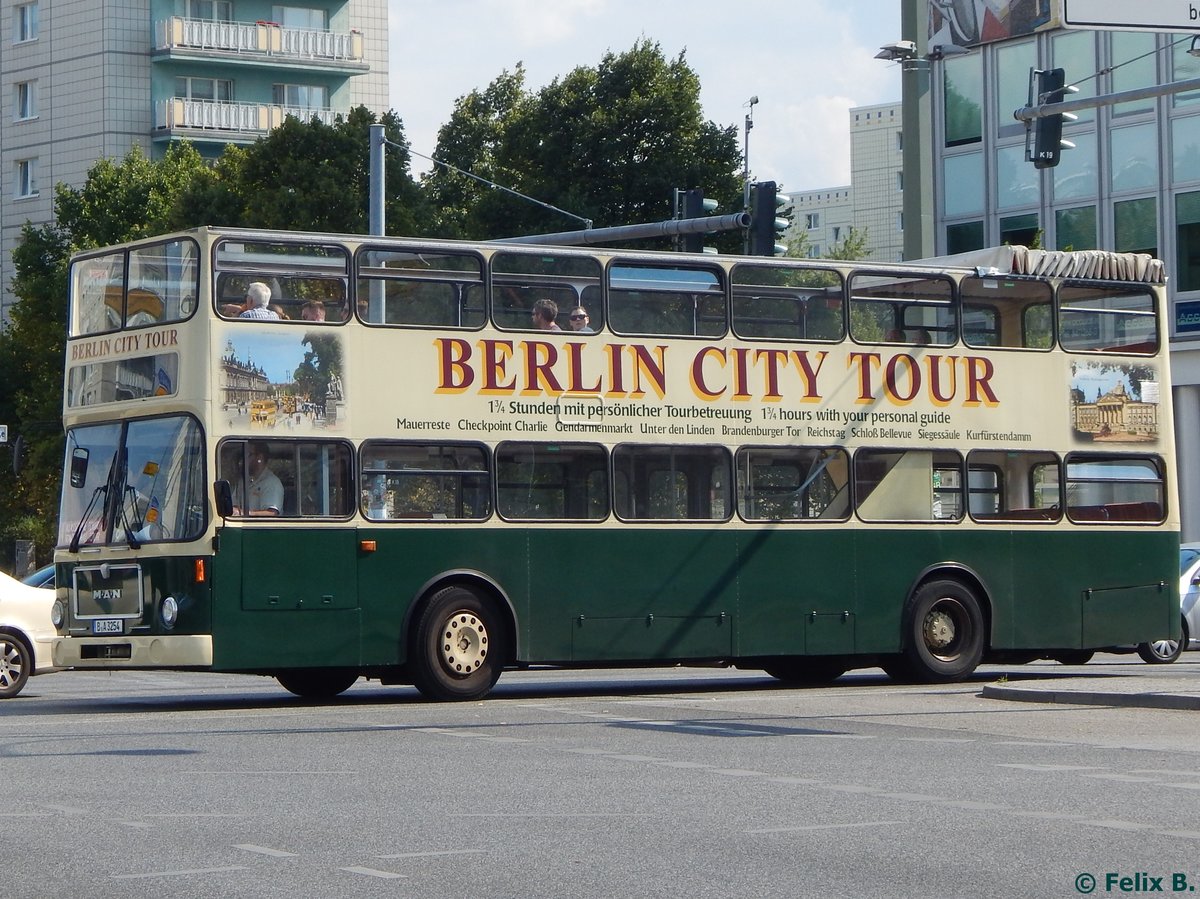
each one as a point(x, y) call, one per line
point(258, 295)
point(265, 493)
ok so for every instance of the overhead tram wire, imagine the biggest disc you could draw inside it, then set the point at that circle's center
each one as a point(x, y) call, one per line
point(587, 223)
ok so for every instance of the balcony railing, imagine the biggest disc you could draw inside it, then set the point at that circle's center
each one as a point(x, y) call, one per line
point(249, 120)
point(261, 39)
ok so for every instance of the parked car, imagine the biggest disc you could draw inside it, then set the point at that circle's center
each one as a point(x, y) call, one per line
point(43, 577)
point(25, 634)
point(1159, 652)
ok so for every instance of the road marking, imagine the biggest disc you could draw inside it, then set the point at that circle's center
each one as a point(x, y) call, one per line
point(182, 873)
point(937, 739)
point(372, 872)
point(263, 850)
point(739, 772)
point(434, 852)
point(1116, 825)
point(135, 823)
point(1186, 834)
point(65, 809)
point(824, 827)
point(1053, 767)
point(1127, 778)
point(849, 788)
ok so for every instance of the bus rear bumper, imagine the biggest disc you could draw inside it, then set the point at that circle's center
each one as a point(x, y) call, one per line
point(185, 651)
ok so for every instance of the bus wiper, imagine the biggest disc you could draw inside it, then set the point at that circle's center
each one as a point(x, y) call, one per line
point(100, 491)
point(132, 540)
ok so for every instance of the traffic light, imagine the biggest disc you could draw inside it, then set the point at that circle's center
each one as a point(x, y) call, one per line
point(766, 226)
point(1048, 141)
point(694, 206)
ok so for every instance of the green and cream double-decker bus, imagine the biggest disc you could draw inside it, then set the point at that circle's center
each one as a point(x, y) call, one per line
point(409, 467)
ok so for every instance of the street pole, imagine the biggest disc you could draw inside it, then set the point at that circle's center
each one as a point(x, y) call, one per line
point(376, 224)
point(746, 166)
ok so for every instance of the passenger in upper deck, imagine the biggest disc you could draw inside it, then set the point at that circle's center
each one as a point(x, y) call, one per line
point(544, 313)
point(580, 321)
point(258, 297)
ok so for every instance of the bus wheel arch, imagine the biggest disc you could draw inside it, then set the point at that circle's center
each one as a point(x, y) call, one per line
point(461, 635)
point(944, 629)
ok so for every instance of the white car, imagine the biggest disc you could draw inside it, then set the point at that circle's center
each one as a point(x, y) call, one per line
point(25, 634)
point(1161, 651)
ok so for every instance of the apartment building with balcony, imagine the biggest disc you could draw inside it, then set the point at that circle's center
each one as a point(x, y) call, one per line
point(81, 80)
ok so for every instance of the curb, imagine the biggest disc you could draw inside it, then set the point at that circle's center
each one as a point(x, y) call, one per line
point(1172, 701)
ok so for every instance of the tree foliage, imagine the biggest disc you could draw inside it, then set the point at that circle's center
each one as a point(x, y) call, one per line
point(609, 144)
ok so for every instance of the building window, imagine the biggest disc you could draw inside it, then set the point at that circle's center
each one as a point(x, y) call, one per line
point(218, 89)
point(1013, 62)
point(25, 100)
point(837, 233)
point(210, 10)
point(1136, 227)
point(1019, 230)
point(1185, 149)
point(25, 23)
point(812, 221)
point(963, 177)
point(899, 221)
point(25, 182)
point(1074, 52)
point(1075, 175)
point(1187, 241)
point(964, 237)
point(1016, 179)
point(900, 181)
point(1075, 229)
point(1141, 70)
point(1134, 157)
point(963, 103)
point(300, 96)
point(899, 141)
point(300, 17)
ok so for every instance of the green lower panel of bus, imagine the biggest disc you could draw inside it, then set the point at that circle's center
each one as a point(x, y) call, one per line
point(300, 597)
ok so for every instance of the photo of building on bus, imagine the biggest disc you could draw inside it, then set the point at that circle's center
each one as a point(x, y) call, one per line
point(801, 467)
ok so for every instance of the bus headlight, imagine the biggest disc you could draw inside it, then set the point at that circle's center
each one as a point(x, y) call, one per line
point(57, 614)
point(170, 611)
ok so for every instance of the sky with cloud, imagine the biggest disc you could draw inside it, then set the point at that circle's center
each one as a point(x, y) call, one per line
point(807, 61)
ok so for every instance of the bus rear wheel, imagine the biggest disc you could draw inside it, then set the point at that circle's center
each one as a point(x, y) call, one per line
point(459, 646)
point(317, 683)
point(944, 638)
point(1164, 652)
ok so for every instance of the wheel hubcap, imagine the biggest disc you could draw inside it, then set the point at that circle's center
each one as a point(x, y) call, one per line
point(10, 665)
point(464, 643)
point(941, 630)
point(1164, 649)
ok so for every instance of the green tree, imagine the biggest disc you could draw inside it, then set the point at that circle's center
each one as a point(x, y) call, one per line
point(309, 176)
point(608, 143)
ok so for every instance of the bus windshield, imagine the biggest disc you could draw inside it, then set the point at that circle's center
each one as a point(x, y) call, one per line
point(133, 482)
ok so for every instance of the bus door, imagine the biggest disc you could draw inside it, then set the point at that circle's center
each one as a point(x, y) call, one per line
point(285, 570)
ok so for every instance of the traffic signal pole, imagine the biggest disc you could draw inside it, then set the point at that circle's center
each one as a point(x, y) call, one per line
point(1029, 113)
point(669, 228)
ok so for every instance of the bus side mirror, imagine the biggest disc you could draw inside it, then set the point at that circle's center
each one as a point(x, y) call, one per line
point(79, 466)
point(224, 496)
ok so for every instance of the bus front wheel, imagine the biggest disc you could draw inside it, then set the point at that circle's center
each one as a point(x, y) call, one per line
point(458, 646)
point(944, 637)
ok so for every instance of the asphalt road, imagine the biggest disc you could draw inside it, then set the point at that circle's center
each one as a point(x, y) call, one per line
point(682, 782)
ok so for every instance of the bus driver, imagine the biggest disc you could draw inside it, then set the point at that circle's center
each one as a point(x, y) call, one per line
point(266, 490)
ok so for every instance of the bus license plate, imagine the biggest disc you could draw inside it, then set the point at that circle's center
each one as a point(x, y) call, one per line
point(108, 626)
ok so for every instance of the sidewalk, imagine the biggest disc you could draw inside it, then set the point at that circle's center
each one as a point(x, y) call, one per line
point(1174, 686)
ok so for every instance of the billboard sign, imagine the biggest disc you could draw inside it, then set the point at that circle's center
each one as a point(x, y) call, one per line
point(1121, 15)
